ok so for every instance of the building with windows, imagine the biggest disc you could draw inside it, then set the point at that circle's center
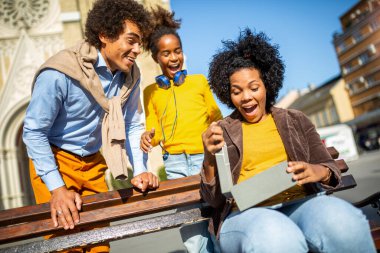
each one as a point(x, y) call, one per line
point(358, 52)
point(328, 107)
point(327, 104)
point(30, 32)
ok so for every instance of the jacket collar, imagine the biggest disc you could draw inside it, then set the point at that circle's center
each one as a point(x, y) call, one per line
point(288, 133)
point(234, 130)
point(285, 127)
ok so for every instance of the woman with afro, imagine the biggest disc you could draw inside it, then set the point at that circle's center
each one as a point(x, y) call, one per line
point(247, 75)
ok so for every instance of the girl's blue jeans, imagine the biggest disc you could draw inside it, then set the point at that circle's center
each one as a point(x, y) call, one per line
point(196, 237)
point(183, 165)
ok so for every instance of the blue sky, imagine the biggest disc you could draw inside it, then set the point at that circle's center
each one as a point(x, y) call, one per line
point(303, 29)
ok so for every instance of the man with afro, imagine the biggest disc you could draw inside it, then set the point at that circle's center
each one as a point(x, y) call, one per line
point(84, 98)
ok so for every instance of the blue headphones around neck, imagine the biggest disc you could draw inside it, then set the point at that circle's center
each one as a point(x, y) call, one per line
point(178, 79)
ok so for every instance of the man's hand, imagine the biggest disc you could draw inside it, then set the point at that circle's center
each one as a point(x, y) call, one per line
point(145, 180)
point(65, 204)
point(146, 139)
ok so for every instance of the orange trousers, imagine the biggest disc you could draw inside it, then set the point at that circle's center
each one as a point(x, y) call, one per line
point(85, 175)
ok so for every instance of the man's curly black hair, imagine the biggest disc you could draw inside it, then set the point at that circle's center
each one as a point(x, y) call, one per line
point(249, 51)
point(107, 17)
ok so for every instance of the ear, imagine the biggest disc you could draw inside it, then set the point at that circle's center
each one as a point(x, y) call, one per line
point(103, 38)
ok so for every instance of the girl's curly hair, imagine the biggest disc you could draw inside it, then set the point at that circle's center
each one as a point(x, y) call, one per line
point(107, 17)
point(163, 24)
point(249, 51)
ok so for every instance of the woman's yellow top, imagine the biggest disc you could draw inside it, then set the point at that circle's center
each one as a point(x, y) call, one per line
point(262, 149)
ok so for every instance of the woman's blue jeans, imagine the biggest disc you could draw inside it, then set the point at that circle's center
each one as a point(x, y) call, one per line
point(320, 224)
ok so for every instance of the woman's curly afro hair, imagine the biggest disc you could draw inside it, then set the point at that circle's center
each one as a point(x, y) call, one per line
point(163, 24)
point(107, 17)
point(249, 51)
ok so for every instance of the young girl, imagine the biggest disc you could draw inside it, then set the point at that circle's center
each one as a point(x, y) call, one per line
point(178, 107)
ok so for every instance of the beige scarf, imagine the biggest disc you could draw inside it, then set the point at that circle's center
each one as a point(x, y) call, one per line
point(78, 63)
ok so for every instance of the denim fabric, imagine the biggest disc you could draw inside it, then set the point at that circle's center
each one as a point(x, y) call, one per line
point(183, 165)
point(196, 238)
point(321, 224)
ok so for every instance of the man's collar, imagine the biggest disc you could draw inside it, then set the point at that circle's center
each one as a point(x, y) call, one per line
point(100, 62)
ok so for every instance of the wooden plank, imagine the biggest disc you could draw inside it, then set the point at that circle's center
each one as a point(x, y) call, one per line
point(97, 216)
point(375, 232)
point(342, 165)
point(113, 233)
point(101, 200)
point(333, 152)
point(127, 230)
point(348, 182)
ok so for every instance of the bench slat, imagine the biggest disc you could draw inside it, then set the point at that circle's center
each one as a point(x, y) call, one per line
point(126, 230)
point(342, 165)
point(98, 216)
point(100, 200)
point(375, 231)
point(348, 182)
point(113, 233)
point(333, 152)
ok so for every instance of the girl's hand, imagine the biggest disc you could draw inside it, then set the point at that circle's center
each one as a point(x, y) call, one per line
point(308, 173)
point(146, 139)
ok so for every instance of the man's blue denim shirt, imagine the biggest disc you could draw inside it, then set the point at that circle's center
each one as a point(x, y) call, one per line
point(63, 114)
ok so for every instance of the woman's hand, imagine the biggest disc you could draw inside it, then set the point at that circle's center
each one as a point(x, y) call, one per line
point(146, 139)
point(212, 138)
point(213, 141)
point(308, 173)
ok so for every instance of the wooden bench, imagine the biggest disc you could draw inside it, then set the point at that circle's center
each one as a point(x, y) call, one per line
point(33, 221)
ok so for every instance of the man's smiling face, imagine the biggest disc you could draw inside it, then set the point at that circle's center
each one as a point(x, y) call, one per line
point(121, 53)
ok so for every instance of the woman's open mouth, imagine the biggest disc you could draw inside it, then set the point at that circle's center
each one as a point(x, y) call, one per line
point(250, 110)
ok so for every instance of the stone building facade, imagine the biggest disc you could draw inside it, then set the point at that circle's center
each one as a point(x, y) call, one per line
point(30, 32)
